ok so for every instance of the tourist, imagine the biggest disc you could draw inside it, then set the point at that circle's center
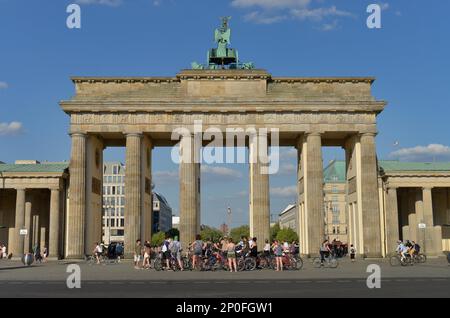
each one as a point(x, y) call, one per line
point(286, 246)
point(352, 253)
point(98, 250)
point(278, 251)
point(147, 254)
point(3, 251)
point(44, 254)
point(231, 255)
point(37, 253)
point(175, 250)
point(197, 247)
point(253, 248)
point(119, 251)
point(324, 251)
point(137, 254)
point(166, 251)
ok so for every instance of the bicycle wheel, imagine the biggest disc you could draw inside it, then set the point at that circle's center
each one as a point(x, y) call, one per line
point(395, 260)
point(157, 264)
point(422, 258)
point(90, 260)
point(299, 263)
point(240, 265)
point(250, 264)
point(317, 263)
point(187, 266)
point(333, 263)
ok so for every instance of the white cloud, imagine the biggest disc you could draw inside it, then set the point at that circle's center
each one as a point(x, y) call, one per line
point(284, 192)
point(3, 85)
point(431, 152)
point(287, 169)
point(222, 172)
point(384, 5)
point(12, 128)
point(111, 3)
point(270, 11)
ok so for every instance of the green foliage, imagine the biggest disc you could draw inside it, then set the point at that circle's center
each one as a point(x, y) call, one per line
point(158, 238)
point(212, 233)
point(240, 231)
point(173, 232)
point(288, 235)
point(274, 231)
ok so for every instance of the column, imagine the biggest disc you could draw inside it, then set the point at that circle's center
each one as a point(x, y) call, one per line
point(133, 192)
point(189, 190)
point(27, 243)
point(313, 191)
point(427, 207)
point(19, 224)
point(259, 188)
point(146, 189)
point(369, 196)
point(392, 226)
point(53, 247)
point(77, 209)
point(419, 217)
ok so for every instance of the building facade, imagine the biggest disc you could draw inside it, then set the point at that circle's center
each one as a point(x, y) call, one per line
point(414, 201)
point(162, 213)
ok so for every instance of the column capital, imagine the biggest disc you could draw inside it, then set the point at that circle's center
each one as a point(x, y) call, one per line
point(78, 134)
point(428, 188)
point(313, 134)
point(134, 134)
point(368, 134)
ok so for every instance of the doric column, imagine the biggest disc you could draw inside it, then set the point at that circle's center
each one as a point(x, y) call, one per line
point(27, 243)
point(53, 247)
point(19, 224)
point(419, 217)
point(392, 226)
point(427, 207)
point(313, 191)
point(369, 196)
point(189, 190)
point(146, 189)
point(133, 192)
point(77, 209)
point(259, 188)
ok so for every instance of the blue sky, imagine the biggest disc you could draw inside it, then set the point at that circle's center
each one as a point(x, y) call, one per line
point(409, 56)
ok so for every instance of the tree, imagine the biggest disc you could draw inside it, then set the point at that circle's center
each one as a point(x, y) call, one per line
point(173, 232)
point(240, 231)
point(211, 233)
point(288, 235)
point(274, 231)
point(158, 238)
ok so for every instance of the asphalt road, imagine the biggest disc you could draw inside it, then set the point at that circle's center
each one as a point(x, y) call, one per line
point(122, 280)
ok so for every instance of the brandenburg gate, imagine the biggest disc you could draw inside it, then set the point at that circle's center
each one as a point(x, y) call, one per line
point(141, 113)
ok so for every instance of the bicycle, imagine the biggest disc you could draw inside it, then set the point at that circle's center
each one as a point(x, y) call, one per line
point(102, 259)
point(329, 262)
point(397, 259)
point(289, 262)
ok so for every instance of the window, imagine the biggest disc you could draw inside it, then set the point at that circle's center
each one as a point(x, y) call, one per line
point(115, 169)
point(122, 211)
point(334, 189)
point(336, 219)
point(122, 222)
point(112, 201)
point(335, 209)
point(120, 232)
point(113, 222)
point(113, 190)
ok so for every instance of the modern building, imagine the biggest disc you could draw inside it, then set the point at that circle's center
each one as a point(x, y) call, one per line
point(114, 205)
point(113, 221)
point(414, 200)
point(162, 213)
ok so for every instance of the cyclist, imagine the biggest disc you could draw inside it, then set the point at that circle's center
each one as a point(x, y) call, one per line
point(197, 247)
point(324, 251)
point(416, 248)
point(98, 251)
point(166, 251)
point(278, 251)
point(175, 249)
point(402, 249)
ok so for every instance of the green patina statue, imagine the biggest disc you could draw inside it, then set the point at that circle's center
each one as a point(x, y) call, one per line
point(222, 57)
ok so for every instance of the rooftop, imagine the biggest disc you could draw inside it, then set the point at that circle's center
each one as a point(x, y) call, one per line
point(56, 167)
